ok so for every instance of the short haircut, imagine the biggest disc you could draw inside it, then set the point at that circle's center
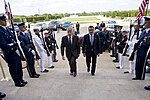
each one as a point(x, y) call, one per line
point(70, 29)
point(91, 27)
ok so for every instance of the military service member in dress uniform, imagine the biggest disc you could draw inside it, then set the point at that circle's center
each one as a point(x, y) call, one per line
point(142, 48)
point(9, 48)
point(28, 50)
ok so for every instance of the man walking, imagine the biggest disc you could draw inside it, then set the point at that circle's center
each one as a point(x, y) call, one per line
point(71, 43)
point(90, 49)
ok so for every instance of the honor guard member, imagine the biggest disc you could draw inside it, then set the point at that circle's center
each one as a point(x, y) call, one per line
point(28, 50)
point(121, 43)
point(118, 35)
point(72, 45)
point(50, 48)
point(9, 49)
point(54, 44)
point(134, 39)
point(39, 44)
point(143, 45)
point(90, 49)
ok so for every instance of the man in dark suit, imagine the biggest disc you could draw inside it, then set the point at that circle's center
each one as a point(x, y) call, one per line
point(11, 55)
point(25, 41)
point(78, 27)
point(90, 49)
point(71, 43)
point(102, 24)
point(143, 46)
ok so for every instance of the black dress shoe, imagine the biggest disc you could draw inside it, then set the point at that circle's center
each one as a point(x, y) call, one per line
point(88, 69)
point(74, 74)
point(24, 82)
point(34, 76)
point(118, 67)
point(135, 79)
point(55, 61)
point(45, 71)
point(2, 95)
point(126, 72)
point(112, 56)
point(92, 74)
point(147, 87)
point(116, 61)
point(20, 85)
point(51, 67)
point(38, 74)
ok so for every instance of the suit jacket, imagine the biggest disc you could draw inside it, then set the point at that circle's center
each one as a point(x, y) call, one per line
point(25, 42)
point(71, 50)
point(88, 48)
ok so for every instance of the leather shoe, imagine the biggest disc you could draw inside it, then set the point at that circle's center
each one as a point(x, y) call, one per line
point(126, 72)
point(45, 71)
point(135, 79)
point(20, 85)
point(118, 67)
point(74, 74)
point(147, 87)
point(51, 67)
point(92, 74)
point(38, 74)
point(2, 95)
point(34, 76)
point(112, 56)
point(55, 61)
point(24, 82)
point(116, 61)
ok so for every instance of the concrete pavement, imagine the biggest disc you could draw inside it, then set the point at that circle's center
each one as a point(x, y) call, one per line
point(108, 84)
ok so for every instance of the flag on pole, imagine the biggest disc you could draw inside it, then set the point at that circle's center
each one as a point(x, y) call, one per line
point(6, 10)
point(142, 9)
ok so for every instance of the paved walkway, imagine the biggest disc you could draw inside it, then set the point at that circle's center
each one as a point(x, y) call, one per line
point(108, 84)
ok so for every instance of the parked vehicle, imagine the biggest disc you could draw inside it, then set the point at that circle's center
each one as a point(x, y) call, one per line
point(65, 25)
point(111, 24)
point(41, 25)
point(54, 24)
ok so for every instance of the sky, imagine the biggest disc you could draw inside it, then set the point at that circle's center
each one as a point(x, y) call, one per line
point(31, 7)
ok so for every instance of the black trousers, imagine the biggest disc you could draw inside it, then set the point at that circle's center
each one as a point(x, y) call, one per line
point(30, 64)
point(55, 53)
point(91, 58)
point(72, 64)
point(15, 67)
point(140, 60)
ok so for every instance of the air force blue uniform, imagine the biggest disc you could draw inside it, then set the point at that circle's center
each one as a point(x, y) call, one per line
point(12, 58)
point(27, 47)
point(144, 44)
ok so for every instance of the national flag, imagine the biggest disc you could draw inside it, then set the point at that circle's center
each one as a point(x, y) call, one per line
point(6, 10)
point(142, 9)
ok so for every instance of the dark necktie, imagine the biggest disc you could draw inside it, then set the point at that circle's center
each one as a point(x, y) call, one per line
point(91, 40)
point(69, 39)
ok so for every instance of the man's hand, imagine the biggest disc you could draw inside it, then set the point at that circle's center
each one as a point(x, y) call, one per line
point(63, 58)
point(84, 55)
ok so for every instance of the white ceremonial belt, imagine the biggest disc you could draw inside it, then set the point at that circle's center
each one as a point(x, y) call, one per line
point(11, 44)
